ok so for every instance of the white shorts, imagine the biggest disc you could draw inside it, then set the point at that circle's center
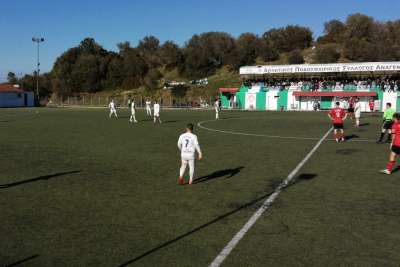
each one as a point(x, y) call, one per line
point(187, 156)
point(157, 114)
point(357, 115)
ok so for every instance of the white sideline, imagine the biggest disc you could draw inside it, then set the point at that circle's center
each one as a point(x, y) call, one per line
point(264, 207)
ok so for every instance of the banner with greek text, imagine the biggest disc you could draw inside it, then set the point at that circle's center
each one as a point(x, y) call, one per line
point(316, 68)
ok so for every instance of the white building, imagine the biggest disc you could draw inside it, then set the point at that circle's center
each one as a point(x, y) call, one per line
point(13, 96)
point(305, 86)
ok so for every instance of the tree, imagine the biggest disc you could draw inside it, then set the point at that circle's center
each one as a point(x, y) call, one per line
point(87, 74)
point(295, 57)
point(388, 40)
point(266, 51)
point(360, 50)
point(89, 46)
point(288, 39)
point(151, 81)
point(246, 49)
point(360, 44)
point(207, 52)
point(80, 69)
point(334, 31)
point(359, 26)
point(327, 53)
point(359, 38)
point(64, 83)
point(171, 55)
point(114, 72)
point(12, 78)
point(149, 50)
point(133, 67)
point(28, 82)
point(297, 38)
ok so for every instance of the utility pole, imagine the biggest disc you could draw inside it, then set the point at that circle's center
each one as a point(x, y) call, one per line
point(37, 40)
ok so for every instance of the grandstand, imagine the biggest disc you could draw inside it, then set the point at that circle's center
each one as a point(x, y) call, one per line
point(299, 87)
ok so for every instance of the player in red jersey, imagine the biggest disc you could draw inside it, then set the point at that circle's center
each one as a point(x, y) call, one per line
point(395, 145)
point(338, 115)
point(350, 110)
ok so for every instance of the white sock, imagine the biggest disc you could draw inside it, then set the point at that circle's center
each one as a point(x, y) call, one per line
point(183, 168)
point(191, 169)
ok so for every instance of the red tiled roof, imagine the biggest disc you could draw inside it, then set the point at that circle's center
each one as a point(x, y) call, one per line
point(228, 90)
point(10, 88)
point(342, 94)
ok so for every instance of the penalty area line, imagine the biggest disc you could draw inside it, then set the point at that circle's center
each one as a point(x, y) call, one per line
point(265, 206)
point(200, 125)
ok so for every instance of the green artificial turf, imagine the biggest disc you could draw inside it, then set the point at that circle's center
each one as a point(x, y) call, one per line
point(80, 189)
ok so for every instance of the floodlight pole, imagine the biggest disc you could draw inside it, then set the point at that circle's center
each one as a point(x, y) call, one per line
point(37, 40)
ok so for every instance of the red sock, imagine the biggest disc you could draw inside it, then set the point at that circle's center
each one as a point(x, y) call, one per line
point(390, 165)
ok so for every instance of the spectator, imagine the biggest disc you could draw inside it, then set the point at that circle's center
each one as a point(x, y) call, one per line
point(390, 84)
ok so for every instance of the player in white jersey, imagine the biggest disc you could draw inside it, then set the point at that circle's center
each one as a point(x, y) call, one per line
point(357, 111)
point(133, 112)
point(148, 107)
point(216, 106)
point(113, 109)
point(156, 110)
point(188, 145)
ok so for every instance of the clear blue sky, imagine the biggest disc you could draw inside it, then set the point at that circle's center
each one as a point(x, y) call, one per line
point(64, 23)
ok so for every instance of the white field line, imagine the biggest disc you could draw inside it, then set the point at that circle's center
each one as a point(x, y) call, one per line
point(124, 107)
point(265, 206)
point(17, 116)
point(200, 125)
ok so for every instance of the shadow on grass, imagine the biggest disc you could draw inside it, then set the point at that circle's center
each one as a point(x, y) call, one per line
point(194, 230)
point(396, 169)
point(347, 151)
point(36, 179)
point(17, 263)
point(229, 173)
point(364, 124)
point(352, 136)
point(299, 178)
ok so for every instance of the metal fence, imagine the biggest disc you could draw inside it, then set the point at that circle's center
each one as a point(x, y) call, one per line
point(122, 101)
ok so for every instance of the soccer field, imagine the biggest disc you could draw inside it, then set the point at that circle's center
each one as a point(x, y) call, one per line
point(80, 189)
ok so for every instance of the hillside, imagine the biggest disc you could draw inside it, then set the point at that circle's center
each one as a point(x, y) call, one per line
point(144, 69)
